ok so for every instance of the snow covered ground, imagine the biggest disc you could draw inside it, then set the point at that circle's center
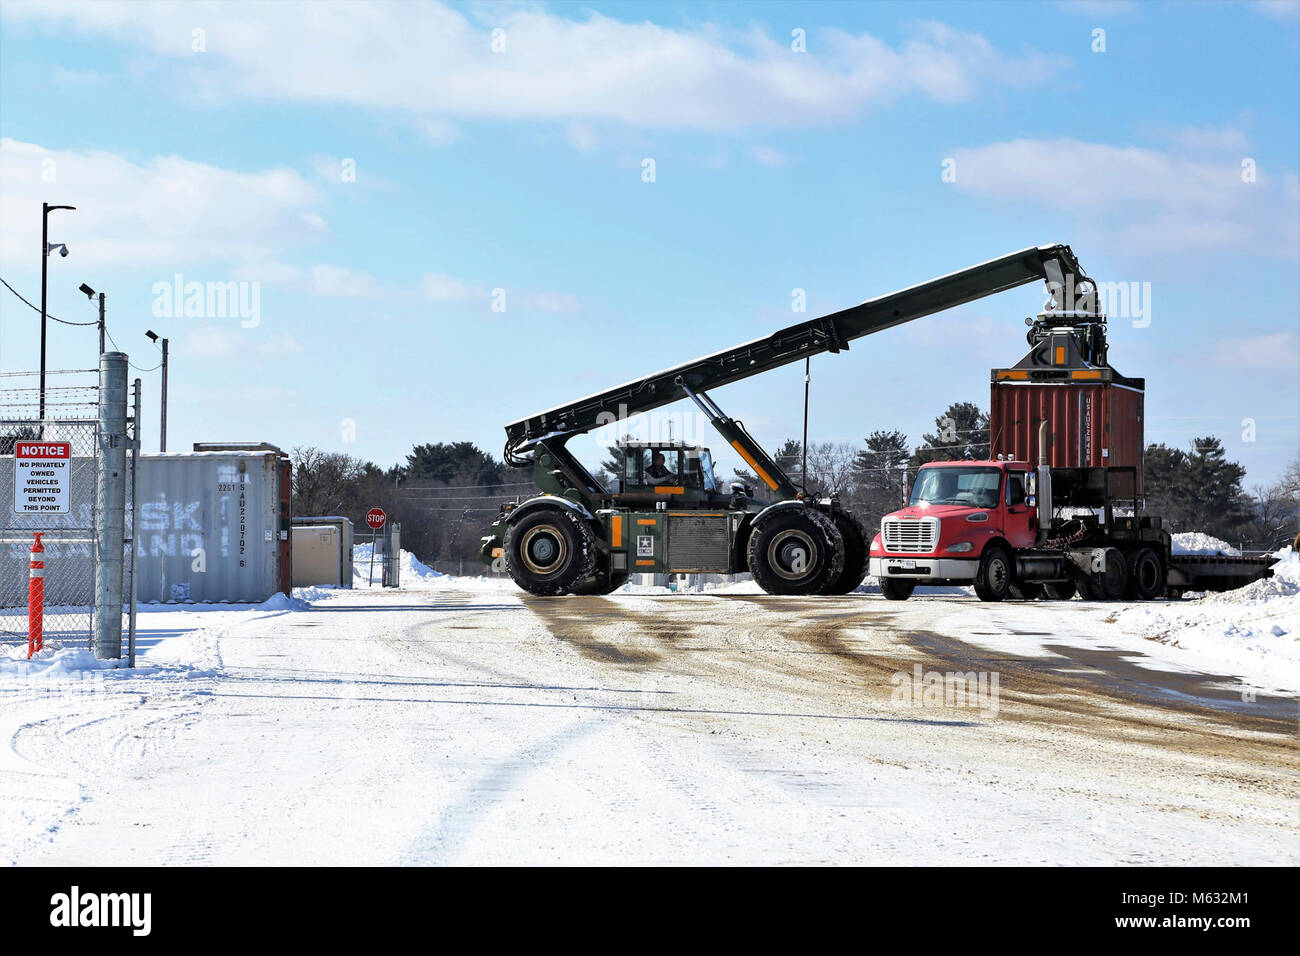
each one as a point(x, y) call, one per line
point(1253, 632)
point(458, 720)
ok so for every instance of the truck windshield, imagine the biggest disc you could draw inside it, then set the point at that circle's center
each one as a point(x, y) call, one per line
point(973, 487)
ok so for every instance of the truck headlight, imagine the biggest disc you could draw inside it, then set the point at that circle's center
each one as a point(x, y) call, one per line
point(959, 547)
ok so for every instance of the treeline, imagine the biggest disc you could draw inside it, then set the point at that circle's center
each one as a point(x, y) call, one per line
point(446, 494)
point(1197, 489)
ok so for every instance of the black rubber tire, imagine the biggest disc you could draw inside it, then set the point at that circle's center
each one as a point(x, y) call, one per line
point(1146, 576)
point(1109, 585)
point(601, 585)
point(568, 532)
point(895, 590)
point(993, 578)
point(776, 541)
point(1025, 591)
point(856, 553)
point(1059, 590)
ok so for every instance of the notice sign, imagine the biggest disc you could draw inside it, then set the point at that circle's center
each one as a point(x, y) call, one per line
point(42, 474)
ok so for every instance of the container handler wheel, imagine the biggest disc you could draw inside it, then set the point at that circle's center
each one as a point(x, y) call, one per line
point(549, 551)
point(993, 579)
point(1146, 576)
point(855, 553)
point(1059, 590)
point(895, 590)
point(601, 584)
point(796, 551)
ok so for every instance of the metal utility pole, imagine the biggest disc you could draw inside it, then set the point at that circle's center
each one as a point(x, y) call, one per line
point(110, 505)
point(162, 442)
point(90, 293)
point(162, 439)
point(46, 209)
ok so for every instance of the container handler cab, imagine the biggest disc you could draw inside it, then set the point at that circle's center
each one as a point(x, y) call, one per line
point(579, 537)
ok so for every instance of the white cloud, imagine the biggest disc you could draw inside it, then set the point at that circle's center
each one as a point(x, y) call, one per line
point(1288, 11)
point(558, 302)
point(1279, 351)
point(1210, 139)
point(583, 137)
point(169, 211)
point(220, 342)
point(769, 157)
point(347, 283)
point(270, 272)
point(443, 288)
point(1098, 8)
point(1141, 198)
point(433, 61)
point(436, 132)
point(437, 287)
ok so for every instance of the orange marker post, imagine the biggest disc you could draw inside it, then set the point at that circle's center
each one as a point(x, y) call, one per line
point(36, 598)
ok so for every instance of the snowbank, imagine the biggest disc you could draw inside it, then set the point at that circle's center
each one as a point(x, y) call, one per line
point(1195, 542)
point(414, 572)
point(1253, 632)
point(55, 663)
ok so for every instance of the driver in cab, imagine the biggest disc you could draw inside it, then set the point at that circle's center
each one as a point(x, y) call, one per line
point(658, 470)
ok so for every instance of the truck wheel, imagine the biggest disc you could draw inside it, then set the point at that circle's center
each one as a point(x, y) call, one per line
point(855, 554)
point(1110, 583)
point(896, 590)
point(601, 584)
point(993, 579)
point(796, 551)
point(550, 550)
point(1146, 576)
point(1059, 590)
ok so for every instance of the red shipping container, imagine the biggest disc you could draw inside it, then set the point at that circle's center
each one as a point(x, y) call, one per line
point(1091, 424)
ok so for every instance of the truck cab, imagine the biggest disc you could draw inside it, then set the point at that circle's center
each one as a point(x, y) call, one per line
point(956, 512)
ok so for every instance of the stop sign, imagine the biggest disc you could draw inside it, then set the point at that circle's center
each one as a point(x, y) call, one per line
point(375, 517)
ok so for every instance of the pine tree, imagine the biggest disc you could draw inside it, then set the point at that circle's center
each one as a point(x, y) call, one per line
point(961, 432)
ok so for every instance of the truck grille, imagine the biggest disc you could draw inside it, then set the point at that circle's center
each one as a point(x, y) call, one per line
point(910, 535)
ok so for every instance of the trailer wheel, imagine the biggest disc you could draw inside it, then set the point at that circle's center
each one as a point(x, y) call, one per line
point(993, 579)
point(1059, 590)
point(855, 553)
point(1109, 584)
point(895, 590)
point(796, 551)
point(550, 550)
point(601, 585)
point(1146, 577)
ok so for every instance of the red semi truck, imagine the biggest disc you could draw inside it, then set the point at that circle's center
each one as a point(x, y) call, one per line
point(1072, 522)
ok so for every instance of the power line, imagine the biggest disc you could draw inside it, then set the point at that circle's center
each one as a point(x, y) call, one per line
point(37, 308)
point(128, 361)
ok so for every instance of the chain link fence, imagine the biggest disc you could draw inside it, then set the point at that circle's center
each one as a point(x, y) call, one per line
point(69, 534)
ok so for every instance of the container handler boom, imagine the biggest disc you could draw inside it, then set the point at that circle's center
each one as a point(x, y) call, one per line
point(570, 538)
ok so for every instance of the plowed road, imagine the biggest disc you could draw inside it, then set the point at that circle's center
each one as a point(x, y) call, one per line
point(484, 726)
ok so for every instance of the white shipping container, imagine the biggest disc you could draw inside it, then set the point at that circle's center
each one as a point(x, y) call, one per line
point(213, 527)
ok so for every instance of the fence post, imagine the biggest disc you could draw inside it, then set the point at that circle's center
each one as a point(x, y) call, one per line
point(110, 505)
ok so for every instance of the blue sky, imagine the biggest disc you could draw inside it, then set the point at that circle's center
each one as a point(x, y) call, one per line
point(521, 170)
